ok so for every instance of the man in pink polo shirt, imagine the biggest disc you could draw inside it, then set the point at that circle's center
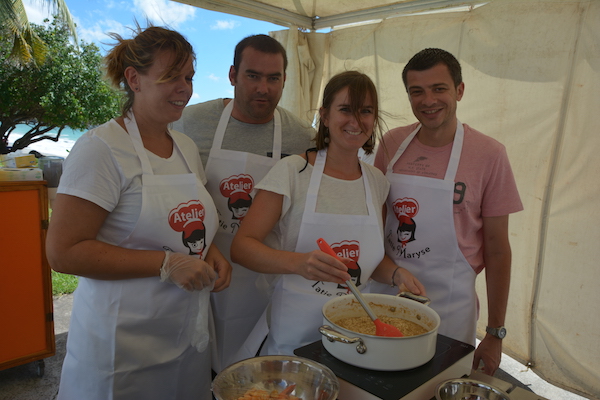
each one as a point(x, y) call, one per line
point(452, 189)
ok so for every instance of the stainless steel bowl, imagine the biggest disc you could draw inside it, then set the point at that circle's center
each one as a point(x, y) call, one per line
point(468, 389)
point(313, 381)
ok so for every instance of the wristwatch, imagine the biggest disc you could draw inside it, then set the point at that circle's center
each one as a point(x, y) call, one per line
point(500, 332)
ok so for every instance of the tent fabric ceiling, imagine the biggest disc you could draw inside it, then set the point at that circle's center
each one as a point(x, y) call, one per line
point(315, 14)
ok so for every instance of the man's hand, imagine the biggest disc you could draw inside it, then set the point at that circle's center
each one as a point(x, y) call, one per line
point(490, 352)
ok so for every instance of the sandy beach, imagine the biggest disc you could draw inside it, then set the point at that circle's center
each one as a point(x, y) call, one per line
point(48, 148)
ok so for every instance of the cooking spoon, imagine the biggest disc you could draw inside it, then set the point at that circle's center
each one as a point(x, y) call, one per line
point(381, 328)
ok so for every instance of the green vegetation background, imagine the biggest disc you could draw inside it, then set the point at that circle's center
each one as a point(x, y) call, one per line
point(63, 283)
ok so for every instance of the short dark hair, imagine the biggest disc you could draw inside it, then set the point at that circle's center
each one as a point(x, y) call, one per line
point(429, 58)
point(262, 43)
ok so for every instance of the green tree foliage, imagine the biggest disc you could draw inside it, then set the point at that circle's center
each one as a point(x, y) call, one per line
point(67, 90)
point(27, 47)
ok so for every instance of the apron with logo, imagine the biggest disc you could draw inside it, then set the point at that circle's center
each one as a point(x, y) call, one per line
point(145, 326)
point(420, 236)
point(296, 305)
point(232, 176)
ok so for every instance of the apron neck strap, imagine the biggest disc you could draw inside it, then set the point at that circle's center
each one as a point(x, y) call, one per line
point(136, 139)
point(454, 155)
point(224, 121)
point(456, 151)
point(315, 184)
point(138, 144)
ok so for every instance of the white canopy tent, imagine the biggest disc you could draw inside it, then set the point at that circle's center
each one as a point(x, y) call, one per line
point(532, 80)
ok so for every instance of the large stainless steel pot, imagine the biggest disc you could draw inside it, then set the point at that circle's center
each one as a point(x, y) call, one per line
point(376, 352)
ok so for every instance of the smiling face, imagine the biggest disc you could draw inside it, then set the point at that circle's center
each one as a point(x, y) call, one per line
point(258, 85)
point(433, 98)
point(159, 97)
point(345, 130)
point(239, 213)
point(404, 236)
point(196, 246)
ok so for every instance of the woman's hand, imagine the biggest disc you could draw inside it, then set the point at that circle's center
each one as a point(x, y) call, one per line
point(248, 248)
point(407, 282)
point(388, 272)
point(188, 272)
point(220, 264)
point(319, 266)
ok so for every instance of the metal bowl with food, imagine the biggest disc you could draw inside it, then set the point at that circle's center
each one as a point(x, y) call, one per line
point(293, 377)
point(460, 389)
point(378, 352)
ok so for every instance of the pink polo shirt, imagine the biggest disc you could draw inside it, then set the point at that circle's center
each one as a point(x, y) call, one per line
point(484, 183)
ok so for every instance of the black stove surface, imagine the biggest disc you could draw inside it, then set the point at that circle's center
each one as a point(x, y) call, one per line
point(390, 385)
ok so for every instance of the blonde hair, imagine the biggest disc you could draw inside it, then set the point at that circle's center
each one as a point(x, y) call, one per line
point(140, 52)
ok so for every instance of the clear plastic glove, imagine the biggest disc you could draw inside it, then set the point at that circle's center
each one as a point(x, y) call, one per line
point(187, 272)
point(201, 335)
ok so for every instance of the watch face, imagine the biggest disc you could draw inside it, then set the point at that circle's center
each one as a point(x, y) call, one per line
point(500, 333)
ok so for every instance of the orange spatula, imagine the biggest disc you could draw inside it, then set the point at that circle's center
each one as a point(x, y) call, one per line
point(381, 329)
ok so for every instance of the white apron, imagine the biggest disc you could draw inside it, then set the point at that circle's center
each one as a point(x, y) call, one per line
point(420, 236)
point(232, 176)
point(141, 329)
point(296, 305)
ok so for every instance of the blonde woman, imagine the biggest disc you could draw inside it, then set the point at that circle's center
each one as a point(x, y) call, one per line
point(130, 194)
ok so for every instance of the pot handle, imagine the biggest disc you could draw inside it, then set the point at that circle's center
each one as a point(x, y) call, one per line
point(335, 336)
point(421, 299)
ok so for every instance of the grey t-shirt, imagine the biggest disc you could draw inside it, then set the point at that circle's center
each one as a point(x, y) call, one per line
point(199, 122)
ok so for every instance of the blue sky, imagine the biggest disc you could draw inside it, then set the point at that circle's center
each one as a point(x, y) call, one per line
point(213, 35)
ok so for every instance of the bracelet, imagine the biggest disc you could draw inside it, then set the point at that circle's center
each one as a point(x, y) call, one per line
point(393, 275)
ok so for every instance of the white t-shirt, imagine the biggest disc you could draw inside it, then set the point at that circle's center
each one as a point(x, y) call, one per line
point(336, 196)
point(104, 168)
point(200, 121)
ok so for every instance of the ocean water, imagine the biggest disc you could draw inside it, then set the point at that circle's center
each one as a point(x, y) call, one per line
point(68, 137)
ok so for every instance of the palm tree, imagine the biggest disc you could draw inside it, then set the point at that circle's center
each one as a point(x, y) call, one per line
point(27, 45)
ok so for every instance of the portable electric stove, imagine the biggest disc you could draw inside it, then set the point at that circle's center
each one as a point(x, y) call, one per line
point(452, 359)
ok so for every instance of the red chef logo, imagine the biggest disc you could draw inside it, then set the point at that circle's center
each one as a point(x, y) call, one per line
point(349, 249)
point(405, 210)
point(237, 190)
point(188, 218)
